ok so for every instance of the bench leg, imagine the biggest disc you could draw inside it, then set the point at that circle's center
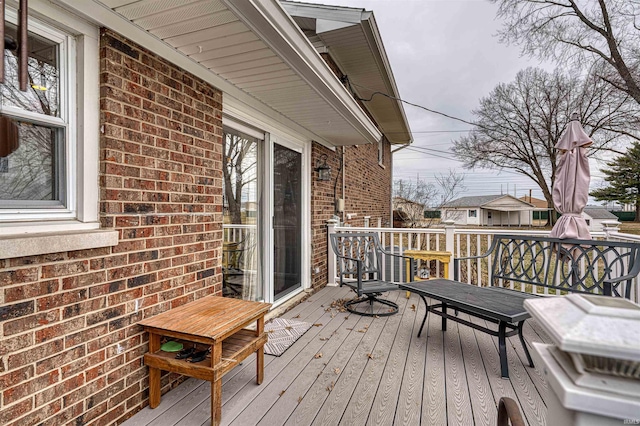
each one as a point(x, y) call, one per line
point(502, 349)
point(444, 319)
point(524, 345)
point(425, 315)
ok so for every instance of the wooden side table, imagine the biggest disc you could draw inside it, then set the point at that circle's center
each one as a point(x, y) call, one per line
point(443, 257)
point(218, 322)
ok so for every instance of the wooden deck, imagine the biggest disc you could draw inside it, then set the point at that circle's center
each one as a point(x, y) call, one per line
point(355, 370)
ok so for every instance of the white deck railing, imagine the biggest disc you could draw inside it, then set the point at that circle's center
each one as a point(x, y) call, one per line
point(460, 242)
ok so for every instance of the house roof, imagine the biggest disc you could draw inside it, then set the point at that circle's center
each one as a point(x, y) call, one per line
point(597, 212)
point(537, 202)
point(253, 51)
point(508, 202)
point(351, 37)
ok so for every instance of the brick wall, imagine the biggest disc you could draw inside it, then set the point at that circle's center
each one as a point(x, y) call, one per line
point(71, 352)
point(367, 192)
point(368, 184)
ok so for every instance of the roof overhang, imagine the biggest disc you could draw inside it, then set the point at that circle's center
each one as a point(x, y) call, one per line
point(351, 37)
point(251, 50)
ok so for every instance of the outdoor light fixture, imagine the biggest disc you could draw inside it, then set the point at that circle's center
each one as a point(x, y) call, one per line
point(324, 171)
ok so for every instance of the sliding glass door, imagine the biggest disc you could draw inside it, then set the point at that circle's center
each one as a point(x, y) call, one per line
point(287, 220)
point(264, 204)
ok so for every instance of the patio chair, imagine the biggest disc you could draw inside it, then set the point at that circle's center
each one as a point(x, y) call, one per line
point(360, 266)
point(238, 268)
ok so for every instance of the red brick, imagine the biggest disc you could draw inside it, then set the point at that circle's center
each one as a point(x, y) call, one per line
point(33, 321)
point(59, 330)
point(105, 342)
point(60, 360)
point(14, 344)
point(58, 390)
point(15, 411)
point(61, 299)
point(84, 391)
point(84, 280)
point(18, 276)
point(16, 376)
point(83, 307)
point(82, 364)
point(28, 291)
point(65, 416)
point(21, 390)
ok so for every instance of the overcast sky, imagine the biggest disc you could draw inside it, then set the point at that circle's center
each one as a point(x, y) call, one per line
point(445, 56)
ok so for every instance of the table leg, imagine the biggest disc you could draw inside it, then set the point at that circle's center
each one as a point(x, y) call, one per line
point(425, 314)
point(260, 353)
point(216, 385)
point(524, 345)
point(154, 373)
point(445, 266)
point(444, 319)
point(502, 349)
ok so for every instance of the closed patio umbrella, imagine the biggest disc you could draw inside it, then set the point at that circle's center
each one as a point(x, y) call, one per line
point(571, 186)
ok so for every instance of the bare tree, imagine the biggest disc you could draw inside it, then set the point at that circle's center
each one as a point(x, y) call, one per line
point(239, 170)
point(413, 197)
point(519, 123)
point(582, 32)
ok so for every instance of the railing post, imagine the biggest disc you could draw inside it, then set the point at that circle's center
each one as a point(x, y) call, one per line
point(331, 256)
point(449, 229)
point(610, 226)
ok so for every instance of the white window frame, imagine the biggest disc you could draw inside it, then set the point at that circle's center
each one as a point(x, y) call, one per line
point(29, 232)
point(79, 116)
point(381, 152)
point(473, 213)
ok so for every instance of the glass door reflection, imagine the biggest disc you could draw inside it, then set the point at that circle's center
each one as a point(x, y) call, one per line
point(241, 258)
point(287, 220)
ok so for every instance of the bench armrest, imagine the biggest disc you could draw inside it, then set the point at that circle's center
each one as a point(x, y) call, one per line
point(456, 260)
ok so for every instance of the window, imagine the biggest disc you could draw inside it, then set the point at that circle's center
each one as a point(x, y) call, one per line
point(473, 213)
point(381, 152)
point(49, 146)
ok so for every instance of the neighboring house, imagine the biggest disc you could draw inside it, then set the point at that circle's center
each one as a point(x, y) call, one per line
point(410, 211)
point(159, 128)
point(536, 202)
point(488, 210)
point(595, 215)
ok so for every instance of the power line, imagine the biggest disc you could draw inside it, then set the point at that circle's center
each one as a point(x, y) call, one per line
point(377, 92)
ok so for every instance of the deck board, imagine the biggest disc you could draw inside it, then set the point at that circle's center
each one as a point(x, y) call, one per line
point(435, 379)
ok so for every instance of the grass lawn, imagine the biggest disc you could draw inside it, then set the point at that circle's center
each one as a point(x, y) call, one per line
point(630, 227)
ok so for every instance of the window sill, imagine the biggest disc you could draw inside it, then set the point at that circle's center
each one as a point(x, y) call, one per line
point(32, 244)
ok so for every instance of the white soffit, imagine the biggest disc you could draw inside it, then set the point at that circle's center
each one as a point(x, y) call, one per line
point(257, 48)
point(352, 38)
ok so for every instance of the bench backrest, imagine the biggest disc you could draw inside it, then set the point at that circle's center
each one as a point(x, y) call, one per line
point(576, 266)
point(363, 246)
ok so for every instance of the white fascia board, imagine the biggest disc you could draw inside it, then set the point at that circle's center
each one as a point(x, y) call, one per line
point(375, 39)
point(350, 15)
point(277, 29)
point(96, 12)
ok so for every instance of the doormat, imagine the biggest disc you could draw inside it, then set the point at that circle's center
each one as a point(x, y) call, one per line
point(282, 334)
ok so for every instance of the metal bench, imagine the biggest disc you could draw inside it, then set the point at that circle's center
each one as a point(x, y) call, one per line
point(566, 266)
